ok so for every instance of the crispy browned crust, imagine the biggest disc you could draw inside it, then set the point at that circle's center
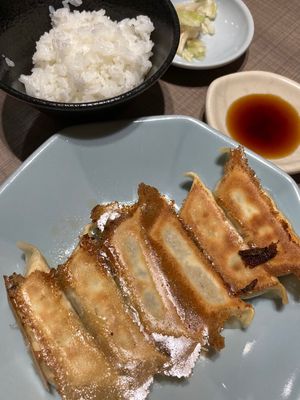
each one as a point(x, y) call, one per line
point(256, 215)
point(167, 321)
point(46, 378)
point(204, 312)
point(58, 340)
point(219, 239)
point(101, 209)
point(93, 293)
point(134, 266)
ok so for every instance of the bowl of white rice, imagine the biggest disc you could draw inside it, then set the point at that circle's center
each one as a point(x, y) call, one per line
point(84, 55)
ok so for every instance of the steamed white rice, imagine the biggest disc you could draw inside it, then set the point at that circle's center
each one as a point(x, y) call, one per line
point(87, 57)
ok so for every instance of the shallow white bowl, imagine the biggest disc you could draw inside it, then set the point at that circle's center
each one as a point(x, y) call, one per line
point(234, 32)
point(223, 91)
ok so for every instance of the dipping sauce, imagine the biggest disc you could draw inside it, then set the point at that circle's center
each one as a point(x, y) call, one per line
point(264, 123)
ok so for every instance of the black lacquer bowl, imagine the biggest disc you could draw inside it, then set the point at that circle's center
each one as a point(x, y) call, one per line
point(22, 22)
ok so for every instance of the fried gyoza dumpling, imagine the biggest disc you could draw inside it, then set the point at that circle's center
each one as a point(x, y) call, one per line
point(256, 216)
point(94, 294)
point(200, 294)
point(222, 243)
point(135, 267)
point(65, 353)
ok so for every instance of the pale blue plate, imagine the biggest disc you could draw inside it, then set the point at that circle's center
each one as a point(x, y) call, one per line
point(234, 30)
point(48, 200)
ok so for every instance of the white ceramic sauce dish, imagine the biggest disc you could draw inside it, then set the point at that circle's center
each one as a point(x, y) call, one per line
point(223, 91)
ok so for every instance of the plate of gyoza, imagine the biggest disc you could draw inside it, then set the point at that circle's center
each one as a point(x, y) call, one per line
point(149, 259)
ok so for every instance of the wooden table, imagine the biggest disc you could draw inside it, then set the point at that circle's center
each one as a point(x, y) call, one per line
point(275, 48)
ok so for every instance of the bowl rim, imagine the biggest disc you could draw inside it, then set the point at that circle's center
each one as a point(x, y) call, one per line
point(105, 103)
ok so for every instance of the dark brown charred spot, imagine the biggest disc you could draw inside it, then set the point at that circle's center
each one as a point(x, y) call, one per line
point(100, 209)
point(249, 287)
point(258, 255)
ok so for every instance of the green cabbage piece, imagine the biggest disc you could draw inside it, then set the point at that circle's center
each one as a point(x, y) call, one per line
point(207, 8)
point(195, 49)
point(190, 18)
point(195, 18)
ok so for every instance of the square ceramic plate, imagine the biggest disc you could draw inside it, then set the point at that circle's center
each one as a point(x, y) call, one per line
point(48, 200)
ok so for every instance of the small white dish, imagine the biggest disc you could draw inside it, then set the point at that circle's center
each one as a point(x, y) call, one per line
point(223, 91)
point(234, 32)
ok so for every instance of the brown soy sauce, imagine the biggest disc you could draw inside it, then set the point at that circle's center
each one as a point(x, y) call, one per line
point(264, 123)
